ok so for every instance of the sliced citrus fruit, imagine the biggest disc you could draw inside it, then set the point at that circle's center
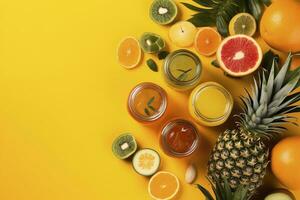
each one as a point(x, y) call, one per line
point(242, 23)
point(129, 52)
point(239, 55)
point(163, 186)
point(146, 162)
point(207, 41)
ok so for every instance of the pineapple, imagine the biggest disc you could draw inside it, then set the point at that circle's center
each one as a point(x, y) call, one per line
point(222, 191)
point(242, 155)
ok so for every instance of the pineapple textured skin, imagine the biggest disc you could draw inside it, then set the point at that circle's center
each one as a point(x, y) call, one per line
point(240, 158)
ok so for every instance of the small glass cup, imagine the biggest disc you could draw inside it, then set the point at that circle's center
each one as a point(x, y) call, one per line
point(210, 104)
point(147, 102)
point(182, 70)
point(179, 138)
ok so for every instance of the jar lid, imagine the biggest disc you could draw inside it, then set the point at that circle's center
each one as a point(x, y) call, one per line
point(147, 102)
point(183, 68)
point(212, 102)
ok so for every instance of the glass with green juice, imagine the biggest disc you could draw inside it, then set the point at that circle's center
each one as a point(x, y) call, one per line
point(182, 70)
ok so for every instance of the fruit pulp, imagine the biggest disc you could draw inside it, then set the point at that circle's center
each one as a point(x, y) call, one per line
point(163, 185)
point(129, 53)
point(207, 41)
point(239, 54)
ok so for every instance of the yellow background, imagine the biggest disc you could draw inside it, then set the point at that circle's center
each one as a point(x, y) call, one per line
point(63, 101)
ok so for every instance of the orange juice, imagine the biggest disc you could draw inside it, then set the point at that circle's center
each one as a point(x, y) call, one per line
point(147, 102)
point(210, 104)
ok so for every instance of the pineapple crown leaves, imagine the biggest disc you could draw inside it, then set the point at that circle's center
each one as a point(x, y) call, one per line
point(219, 12)
point(272, 98)
point(222, 191)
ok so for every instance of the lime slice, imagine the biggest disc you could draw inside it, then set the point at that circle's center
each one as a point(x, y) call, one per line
point(242, 23)
point(146, 162)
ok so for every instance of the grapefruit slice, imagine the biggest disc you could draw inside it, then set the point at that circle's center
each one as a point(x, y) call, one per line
point(207, 41)
point(163, 186)
point(129, 52)
point(239, 55)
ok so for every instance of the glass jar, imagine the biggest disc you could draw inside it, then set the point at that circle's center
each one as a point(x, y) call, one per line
point(182, 69)
point(179, 138)
point(147, 102)
point(210, 104)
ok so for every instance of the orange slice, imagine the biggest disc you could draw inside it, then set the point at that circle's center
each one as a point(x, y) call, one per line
point(129, 53)
point(207, 41)
point(163, 186)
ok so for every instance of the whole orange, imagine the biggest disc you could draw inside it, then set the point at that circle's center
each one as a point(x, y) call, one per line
point(280, 25)
point(285, 162)
point(295, 63)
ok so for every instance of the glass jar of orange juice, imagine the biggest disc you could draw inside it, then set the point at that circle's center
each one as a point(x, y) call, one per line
point(210, 104)
point(147, 102)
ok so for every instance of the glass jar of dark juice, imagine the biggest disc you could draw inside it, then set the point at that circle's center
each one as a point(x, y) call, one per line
point(179, 138)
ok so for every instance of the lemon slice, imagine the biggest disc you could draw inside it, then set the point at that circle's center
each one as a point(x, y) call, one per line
point(242, 23)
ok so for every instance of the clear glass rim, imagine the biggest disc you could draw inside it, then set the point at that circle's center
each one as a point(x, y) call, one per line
point(136, 90)
point(227, 95)
point(173, 79)
point(167, 128)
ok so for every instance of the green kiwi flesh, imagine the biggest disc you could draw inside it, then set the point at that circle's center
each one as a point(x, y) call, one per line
point(163, 12)
point(124, 146)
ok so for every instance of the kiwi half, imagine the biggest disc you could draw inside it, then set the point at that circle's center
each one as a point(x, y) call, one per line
point(163, 11)
point(124, 146)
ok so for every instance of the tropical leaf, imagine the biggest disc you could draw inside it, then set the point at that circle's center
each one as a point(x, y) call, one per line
point(202, 19)
point(205, 192)
point(206, 3)
point(256, 8)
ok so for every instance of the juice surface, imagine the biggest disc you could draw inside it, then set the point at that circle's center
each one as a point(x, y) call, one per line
point(183, 67)
point(147, 102)
point(211, 102)
point(181, 138)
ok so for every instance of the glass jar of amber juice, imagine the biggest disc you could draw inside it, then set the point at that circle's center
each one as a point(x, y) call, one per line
point(179, 138)
point(147, 102)
point(210, 104)
point(182, 70)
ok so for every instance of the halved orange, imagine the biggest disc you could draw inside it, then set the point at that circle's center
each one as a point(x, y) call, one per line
point(129, 52)
point(163, 186)
point(207, 41)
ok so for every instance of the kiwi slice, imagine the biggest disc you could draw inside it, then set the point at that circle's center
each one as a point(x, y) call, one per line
point(124, 146)
point(152, 43)
point(163, 11)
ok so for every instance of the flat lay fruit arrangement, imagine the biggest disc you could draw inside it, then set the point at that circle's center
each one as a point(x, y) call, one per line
point(228, 33)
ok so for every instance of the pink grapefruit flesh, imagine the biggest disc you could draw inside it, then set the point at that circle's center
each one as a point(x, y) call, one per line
point(239, 55)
